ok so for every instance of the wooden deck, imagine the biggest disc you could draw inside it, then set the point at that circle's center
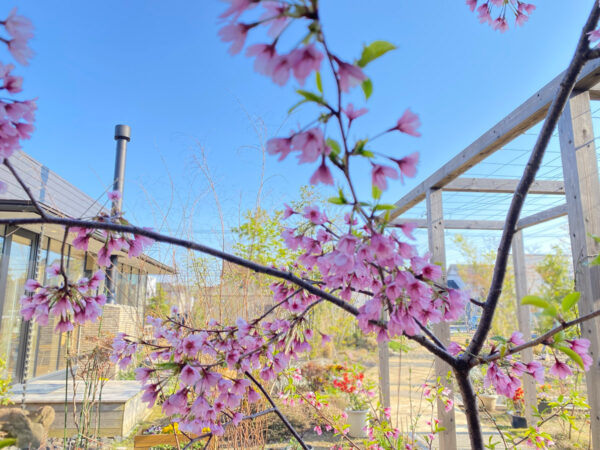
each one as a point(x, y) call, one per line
point(120, 411)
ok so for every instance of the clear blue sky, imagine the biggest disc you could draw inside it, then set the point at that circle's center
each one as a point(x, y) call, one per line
point(160, 68)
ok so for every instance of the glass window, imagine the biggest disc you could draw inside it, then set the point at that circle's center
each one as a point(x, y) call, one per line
point(135, 276)
point(76, 262)
point(54, 258)
point(18, 270)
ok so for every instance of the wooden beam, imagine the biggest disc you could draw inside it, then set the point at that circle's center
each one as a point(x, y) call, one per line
point(503, 186)
point(520, 270)
point(582, 188)
point(520, 120)
point(458, 224)
point(437, 247)
point(542, 216)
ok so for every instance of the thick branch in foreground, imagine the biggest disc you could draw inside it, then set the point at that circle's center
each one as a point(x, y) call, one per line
point(556, 108)
point(277, 273)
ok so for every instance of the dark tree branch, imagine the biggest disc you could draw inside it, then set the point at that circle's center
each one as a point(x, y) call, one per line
point(276, 411)
point(540, 339)
point(432, 336)
point(271, 271)
point(556, 108)
point(593, 53)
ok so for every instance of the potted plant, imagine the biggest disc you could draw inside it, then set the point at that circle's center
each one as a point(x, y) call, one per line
point(488, 400)
point(544, 399)
point(351, 383)
point(517, 417)
point(487, 396)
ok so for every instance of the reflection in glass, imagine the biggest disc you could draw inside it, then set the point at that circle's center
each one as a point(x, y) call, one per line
point(18, 272)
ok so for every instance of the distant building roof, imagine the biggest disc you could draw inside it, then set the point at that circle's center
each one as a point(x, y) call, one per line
point(55, 195)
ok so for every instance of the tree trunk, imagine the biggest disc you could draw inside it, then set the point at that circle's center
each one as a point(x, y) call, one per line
point(471, 411)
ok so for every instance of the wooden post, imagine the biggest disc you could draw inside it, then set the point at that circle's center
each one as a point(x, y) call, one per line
point(582, 191)
point(437, 248)
point(520, 269)
point(384, 374)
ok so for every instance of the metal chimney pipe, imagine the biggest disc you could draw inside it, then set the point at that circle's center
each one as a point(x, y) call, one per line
point(122, 136)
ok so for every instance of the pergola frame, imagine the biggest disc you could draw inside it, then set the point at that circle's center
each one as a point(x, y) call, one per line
point(581, 188)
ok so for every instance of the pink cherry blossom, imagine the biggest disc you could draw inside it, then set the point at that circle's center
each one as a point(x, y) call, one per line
point(408, 123)
point(454, 349)
point(311, 145)
point(379, 175)
point(265, 57)
point(114, 195)
point(322, 175)
point(313, 214)
point(560, 369)
point(279, 146)
point(274, 16)
point(349, 75)
point(280, 69)
point(536, 370)
point(516, 338)
point(352, 113)
point(20, 51)
point(500, 24)
point(305, 60)
point(472, 4)
point(408, 165)
point(236, 8)
point(236, 34)
point(19, 27)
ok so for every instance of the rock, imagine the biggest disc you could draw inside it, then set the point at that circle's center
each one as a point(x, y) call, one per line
point(44, 416)
point(30, 431)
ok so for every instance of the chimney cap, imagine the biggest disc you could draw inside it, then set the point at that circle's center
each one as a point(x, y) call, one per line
point(122, 132)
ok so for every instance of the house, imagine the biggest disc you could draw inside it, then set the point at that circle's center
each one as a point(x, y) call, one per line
point(31, 350)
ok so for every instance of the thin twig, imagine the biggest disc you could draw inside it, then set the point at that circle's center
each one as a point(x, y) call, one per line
point(286, 422)
point(15, 174)
point(540, 339)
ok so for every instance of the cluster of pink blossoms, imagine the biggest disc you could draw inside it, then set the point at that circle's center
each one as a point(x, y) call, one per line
point(71, 303)
point(504, 374)
point(133, 244)
point(16, 116)
point(205, 397)
point(486, 12)
point(384, 265)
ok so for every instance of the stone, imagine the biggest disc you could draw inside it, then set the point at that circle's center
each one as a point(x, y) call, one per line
point(29, 430)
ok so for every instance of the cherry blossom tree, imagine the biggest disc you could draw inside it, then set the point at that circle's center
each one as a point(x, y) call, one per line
point(367, 254)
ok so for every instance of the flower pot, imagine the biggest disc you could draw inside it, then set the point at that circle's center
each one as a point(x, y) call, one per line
point(489, 401)
point(358, 423)
point(544, 407)
point(518, 421)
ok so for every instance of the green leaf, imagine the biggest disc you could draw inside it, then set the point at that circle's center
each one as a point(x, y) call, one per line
point(301, 102)
point(376, 192)
point(335, 147)
point(571, 354)
point(319, 82)
point(373, 51)
point(367, 87)
point(550, 310)
point(595, 261)
point(311, 96)
point(336, 201)
point(570, 300)
point(385, 207)
point(534, 301)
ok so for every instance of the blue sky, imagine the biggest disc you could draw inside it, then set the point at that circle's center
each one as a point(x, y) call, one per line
point(160, 68)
